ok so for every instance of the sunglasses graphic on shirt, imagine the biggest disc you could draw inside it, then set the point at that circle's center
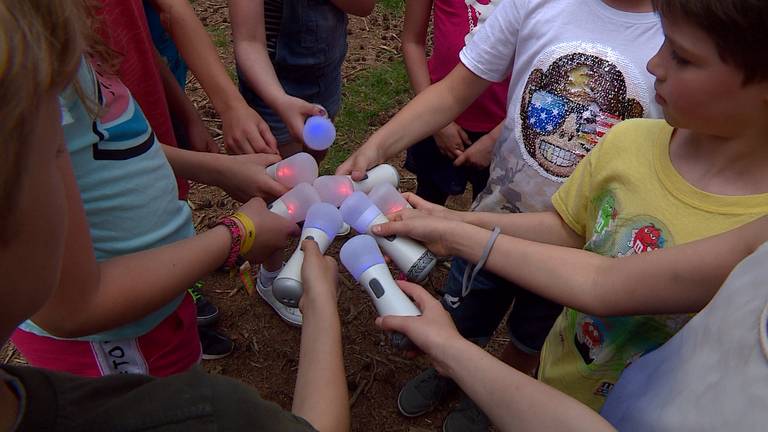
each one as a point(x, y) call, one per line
point(547, 113)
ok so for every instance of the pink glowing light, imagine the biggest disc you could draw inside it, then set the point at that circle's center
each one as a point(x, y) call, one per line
point(284, 172)
point(299, 168)
point(334, 189)
point(387, 198)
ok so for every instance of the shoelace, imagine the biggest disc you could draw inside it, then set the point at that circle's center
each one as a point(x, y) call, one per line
point(195, 291)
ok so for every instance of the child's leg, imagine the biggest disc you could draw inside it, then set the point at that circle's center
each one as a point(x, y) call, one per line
point(427, 189)
point(529, 323)
point(436, 176)
point(476, 316)
point(479, 313)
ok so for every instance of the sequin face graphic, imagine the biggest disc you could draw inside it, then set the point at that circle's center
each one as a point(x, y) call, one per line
point(568, 105)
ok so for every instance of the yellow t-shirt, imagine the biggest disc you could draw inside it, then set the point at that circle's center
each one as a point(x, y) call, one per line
point(627, 198)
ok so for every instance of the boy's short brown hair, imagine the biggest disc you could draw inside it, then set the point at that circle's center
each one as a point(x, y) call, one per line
point(739, 29)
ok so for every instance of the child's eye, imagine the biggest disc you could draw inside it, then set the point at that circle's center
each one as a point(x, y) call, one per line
point(677, 58)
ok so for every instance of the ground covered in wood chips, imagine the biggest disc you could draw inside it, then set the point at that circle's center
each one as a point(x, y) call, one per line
point(266, 352)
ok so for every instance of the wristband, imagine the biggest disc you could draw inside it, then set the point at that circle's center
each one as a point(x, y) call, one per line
point(250, 231)
point(466, 284)
point(237, 238)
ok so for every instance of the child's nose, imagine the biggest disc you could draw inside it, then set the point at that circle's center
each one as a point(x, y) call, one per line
point(654, 65)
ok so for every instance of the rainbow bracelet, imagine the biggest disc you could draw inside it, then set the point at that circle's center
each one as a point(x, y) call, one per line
point(237, 239)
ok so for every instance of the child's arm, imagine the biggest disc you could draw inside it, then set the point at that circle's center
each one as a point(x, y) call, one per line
point(360, 8)
point(244, 130)
point(511, 399)
point(96, 296)
point(183, 112)
point(247, 17)
point(321, 394)
point(428, 112)
point(241, 176)
point(451, 139)
point(414, 45)
point(675, 280)
point(543, 227)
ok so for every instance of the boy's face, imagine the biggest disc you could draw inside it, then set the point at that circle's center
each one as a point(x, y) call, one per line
point(30, 261)
point(700, 92)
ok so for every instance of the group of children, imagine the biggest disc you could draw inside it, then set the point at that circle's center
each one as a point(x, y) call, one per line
point(109, 252)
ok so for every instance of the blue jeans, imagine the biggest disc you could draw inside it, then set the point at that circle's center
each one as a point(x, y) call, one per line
point(310, 50)
point(479, 313)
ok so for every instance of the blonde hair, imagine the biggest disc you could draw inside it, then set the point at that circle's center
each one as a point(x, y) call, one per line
point(40, 47)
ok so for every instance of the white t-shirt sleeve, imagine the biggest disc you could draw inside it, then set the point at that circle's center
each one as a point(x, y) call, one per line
point(491, 53)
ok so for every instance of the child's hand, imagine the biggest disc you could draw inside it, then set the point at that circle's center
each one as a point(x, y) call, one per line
point(431, 209)
point(364, 158)
point(451, 140)
point(319, 275)
point(479, 154)
point(294, 112)
point(244, 177)
point(245, 132)
point(433, 232)
point(272, 230)
point(200, 139)
point(431, 332)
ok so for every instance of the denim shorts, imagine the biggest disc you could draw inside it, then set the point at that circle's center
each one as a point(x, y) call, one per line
point(308, 56)
point(479, 313)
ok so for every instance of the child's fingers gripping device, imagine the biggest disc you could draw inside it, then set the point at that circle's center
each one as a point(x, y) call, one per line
point(362, 258)
point(322, 223)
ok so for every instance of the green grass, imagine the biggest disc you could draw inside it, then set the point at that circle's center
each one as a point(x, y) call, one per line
point(220, 36)
point(397, 6)
point(367, 102)
point(222, 41)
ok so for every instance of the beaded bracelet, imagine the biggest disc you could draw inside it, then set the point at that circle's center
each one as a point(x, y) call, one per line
point(237, 239)
point(250, 231)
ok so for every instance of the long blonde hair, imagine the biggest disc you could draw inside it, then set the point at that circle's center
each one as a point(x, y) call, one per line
point(40, 47)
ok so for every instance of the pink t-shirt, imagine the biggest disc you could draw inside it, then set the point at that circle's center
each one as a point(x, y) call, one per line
point(128, 34)
point(451, 27)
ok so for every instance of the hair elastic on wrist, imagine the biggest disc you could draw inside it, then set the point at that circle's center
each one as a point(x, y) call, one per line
point(466, 284)
point(237, 239)
point(250, 231)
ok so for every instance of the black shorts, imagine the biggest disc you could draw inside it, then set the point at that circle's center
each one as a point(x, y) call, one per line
point(479, 313)
point(437, 177)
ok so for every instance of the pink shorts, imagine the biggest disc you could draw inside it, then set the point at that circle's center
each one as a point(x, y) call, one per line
point(171, 347)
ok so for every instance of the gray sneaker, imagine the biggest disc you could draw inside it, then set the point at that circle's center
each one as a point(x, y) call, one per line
point(290, 315)
point(467, 417)
point(423, 393)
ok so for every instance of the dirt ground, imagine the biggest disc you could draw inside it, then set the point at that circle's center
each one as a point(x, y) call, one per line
point(266, 353)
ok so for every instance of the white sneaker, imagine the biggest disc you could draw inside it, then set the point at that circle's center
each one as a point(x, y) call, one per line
point(290, 315)
point(345, 229)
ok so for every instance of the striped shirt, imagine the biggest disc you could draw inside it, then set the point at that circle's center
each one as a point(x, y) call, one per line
point(273, 15)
